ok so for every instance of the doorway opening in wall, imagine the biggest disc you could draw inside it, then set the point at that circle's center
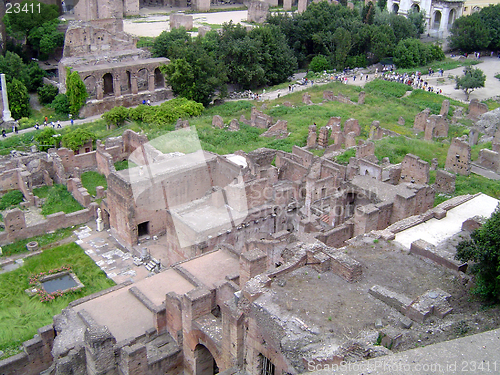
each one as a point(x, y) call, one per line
point(108, 84)
point(266, 366)
point(143, 229)
point(205, 362)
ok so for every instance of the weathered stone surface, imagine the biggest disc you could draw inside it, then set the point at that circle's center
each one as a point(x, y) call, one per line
point(178, 20)
point(234, 125)
point(323, 137)
point(279, 130)
point(458, 158)
point(489, 122)
point(350, 139)
point(401, 121)
point(306, 98)
point(445, 182)
point(445, 107)
point(421, 120)
point(361, 97)
point(203, 30)
point(260, 119)
point(352, 125)
point(257, 11)
point(217, 122)
point(312, 136)
point(476, 108)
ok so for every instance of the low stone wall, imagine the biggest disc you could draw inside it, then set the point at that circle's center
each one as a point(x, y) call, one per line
point(16, 228)
point(443, 258)
point(36, 356)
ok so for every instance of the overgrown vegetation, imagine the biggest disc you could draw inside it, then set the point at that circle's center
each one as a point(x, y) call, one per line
point(484, 250)
point(58, 199)
point(21, 315)
point(11, 199)
point(91, 179)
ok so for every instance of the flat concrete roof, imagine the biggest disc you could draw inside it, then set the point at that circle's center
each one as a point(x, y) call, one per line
point(123, 314)
point(157, 286)
point(435, 231)
point(381, 190)
point(212, 268)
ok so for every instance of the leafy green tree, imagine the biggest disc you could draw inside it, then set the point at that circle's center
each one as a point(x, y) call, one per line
point(417, 18)
point(490, 16)
point(19, 100)
point(30, 75)
point(34, 77)
point(76, 92)
point(172, 44)
point(61, 104)
point(46, 38)
point(47, 93)
point(382, 42)
point(472, 79)
point(116, 116)
point(382, 4)
point(368, 13)
point(77, 138)
point(319, 63)
point(47, 138)
point(342, 40)
point(23, 22)
point(469, 34)
point(484, 250)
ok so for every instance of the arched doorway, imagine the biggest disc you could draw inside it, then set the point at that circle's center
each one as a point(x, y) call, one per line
point(108, 84)
point(415, 8)
point(159, 79)
point(395, 8)
point(91, 86)
point(436, 24)
point(451, 18)
point(142, 80)
point(205, 362)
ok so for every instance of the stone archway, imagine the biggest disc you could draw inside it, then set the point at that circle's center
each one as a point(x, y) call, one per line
point(436, 23)
point(395, 8)
point(415, 8)
point(108, 87)
point(159, 79)
point(142, 80)
point(451, 18)
point(205, 363)
point(91, 86)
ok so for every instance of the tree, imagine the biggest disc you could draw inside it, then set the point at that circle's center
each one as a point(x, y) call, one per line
point(417, 18)
point(484, 250)
point(319, 63)
point(23, 22)
point(368, 13)
point(47, 138)
point(382, 4)
point(46, 38)
point(19, 100)
point(490, 16)
point(173, 44)
point(342, 40)
point(77, 138)
point(76, 92)
point(116, 116)
point(469, 34)
point(61, 104)
point(47, 94)
point(472, 79)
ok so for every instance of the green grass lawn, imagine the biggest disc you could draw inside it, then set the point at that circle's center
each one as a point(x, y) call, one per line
point(20, 314)
point(44, 241)
point(58, 199)
point(91, 179)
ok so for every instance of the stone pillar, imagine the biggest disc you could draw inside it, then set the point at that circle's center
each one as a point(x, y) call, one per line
point(287, 4)
point(302, 6)
point(6, 112)
point(151, 82)
point(99, 90)
point(133, 84)
point(117, 85)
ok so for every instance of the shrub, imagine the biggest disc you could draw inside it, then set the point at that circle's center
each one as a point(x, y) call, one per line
point(47, 94)
point(319, 63)
point(77, 138)
point(47, 138)
point(10, 199)
point(61, 104)
point(116, 116)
